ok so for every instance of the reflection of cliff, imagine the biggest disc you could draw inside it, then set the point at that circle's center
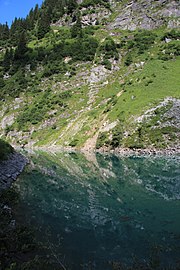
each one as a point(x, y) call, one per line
point(107, 203)
point(95, 171)
point(97, 188)
point(157, 174)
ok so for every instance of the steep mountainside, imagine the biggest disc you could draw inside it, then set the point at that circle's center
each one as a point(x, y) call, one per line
point(147, 15)
point(92, 74)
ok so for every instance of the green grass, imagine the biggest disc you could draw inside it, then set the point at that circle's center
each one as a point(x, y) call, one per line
point(148, 87)
point(129, 92)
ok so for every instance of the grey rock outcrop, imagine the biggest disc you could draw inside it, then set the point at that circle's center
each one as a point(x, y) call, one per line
point(89, 16)
point(147, 14)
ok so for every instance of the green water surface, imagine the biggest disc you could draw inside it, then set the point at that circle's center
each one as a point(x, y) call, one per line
point(92, 209)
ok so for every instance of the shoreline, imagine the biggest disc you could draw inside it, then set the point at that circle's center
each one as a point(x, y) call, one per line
point(142, 152)
point(105, 150)
point(11, 168)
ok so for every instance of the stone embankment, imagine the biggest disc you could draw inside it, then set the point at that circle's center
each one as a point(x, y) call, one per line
point(11, 168)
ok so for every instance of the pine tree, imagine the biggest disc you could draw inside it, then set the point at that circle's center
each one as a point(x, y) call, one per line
point(36, 12)
point(21, 48)
point(8, 57)
point(71, 6)
point(4, 32)
point(76, 29)
point(43, 25)
point(17, 28)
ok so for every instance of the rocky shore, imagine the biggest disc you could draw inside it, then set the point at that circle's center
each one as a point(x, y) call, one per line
point(11, 168)
point(147, 151)
point(120, 151)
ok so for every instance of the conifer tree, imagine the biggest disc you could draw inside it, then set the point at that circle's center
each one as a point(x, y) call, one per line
point(43, 25)
point(76, 29)
point(8, 57)
point(36, 12)
point(71, 6)
point(4, 32)
point(21, 48)
point(17, 28)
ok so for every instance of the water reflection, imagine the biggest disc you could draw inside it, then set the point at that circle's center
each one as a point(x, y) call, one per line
point(102, 208)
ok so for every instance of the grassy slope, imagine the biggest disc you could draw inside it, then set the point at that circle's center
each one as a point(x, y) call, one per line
point(138, 88)
point(165, 83)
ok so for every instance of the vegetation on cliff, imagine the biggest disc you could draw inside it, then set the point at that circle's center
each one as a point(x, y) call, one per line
point(71, 75)
point(5, 149)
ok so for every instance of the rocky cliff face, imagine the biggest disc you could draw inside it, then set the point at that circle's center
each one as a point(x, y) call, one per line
point(148, 14)
point(89, 16)
point(129, 15)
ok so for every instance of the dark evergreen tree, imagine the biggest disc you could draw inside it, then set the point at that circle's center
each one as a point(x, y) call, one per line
point(71, 6)
point(32, 17)
point(8, 57)
point(58, 11)
point(76, 29)
point(21, 48)
point(17, 28)
point(36, 12)
point(2, 83)
point(21, 75)
point(4, 33)
point(57, 8)
point(43, 25)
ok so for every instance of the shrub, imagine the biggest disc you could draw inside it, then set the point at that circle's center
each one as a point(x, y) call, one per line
point(107, 64)
point(73, 143)
point(109, 48)
point(128, 60)
point(169, 50)
point(173, 34)
point(143, 40)
point(5, 149)
point(117, 136)
point(102, 140)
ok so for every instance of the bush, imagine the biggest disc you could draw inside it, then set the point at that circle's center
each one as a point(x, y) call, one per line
point(37, 111)
point(173, 34)
point(128, 60)
point(143, 40)
point(88, 3)
point(117, 136)
point(73, 143)
point(2, 83)
point(109, 49)
point(5, 149)
point(102, 140)
point(169, 51)
point(107, 64)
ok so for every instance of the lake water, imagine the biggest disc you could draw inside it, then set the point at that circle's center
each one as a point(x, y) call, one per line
point(92, 210)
